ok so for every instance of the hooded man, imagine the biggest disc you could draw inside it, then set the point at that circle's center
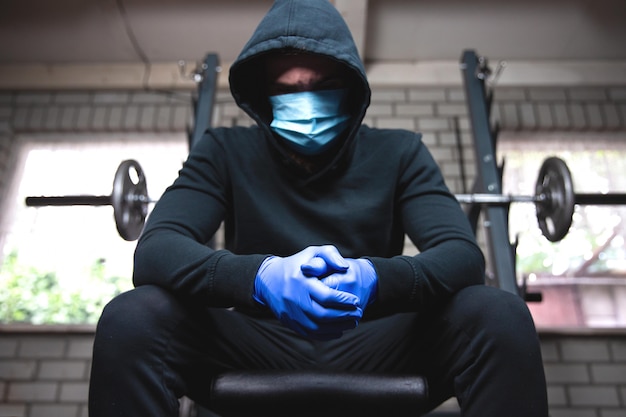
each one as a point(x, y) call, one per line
point(315, 208)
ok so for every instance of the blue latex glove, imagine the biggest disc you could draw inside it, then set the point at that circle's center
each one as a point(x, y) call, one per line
point(304, 303)
point(359, 278)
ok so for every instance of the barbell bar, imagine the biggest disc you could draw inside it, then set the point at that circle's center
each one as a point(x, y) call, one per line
point(554, 199)
point(129, 199)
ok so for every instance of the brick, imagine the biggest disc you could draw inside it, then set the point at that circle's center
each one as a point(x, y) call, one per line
point(146, 118)
point(37, 118)
point(451, 109)
point(6, 112)
point(569, 412)
point(61, 369)
point(131, 117)
point(41, 347)
point(375, 110)
point(599, 396)
point(100, 118)
point(6, 98)
point(441, 154)
point(549, 350)
point(508, 116)
point(12, 410)
point(20, 117)
point(53, 118)
point(181, 117)
point(388, 95)
point(617, 93)
point(116, 118)
point(80, 348)
point(111, 98)
point(527, 117)
point(414, 109)
point(162, 118)
point(547, 94)
point(579, 350)
point(74, 392)
point(395, 123)
point(231, 110)
point(54, 410)
point(455, 94)
point(587, 94)
point(566, 373)
point(561, 116)
point(594, 115)
point(613, 413)
point(83, 118)
point(577, 114)
point(608, 373)
point(448, 139)
point(611, 116)
point(556, 395)
point(148, 98)
point(427, 94)
point(8, 347)
point(33, 98)
point(17, 369)
point(618, 350)
point(429, 138)
point(509, 94)
point(622, 112)
point(32, 391)
point(544, 116)
point(80, 98)
point(433, 123)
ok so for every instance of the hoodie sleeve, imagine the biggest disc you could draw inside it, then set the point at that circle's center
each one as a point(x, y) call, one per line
point(449, 258)
point(173, 250)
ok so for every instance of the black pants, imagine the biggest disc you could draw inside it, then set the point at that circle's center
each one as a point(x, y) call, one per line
point(481, 346)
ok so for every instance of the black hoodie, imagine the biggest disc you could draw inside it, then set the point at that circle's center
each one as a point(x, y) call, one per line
point(373, 188)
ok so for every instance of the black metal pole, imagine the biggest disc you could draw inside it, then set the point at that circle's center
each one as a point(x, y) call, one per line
point(203, 112)
point(502, 255)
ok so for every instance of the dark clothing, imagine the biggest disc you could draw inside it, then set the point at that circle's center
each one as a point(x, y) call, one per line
point(364, 209)
point(364, 195)
point(480, 345)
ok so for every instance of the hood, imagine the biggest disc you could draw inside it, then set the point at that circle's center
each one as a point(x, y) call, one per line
point(303, 26)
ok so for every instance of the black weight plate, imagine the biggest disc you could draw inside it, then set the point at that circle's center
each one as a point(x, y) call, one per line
point(555, 211)
point(129, 199)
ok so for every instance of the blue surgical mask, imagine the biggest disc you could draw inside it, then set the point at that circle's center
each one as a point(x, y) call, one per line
point(310, 120)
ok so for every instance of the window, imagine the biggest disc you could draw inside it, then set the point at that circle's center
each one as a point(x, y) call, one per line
point(583, 277)
point(62, 264)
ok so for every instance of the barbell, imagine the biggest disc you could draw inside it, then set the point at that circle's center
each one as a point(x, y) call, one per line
point(554, 199)
point(129, 199)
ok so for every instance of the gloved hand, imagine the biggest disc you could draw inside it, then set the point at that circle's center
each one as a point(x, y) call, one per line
point(303, 303)
point(359, 278)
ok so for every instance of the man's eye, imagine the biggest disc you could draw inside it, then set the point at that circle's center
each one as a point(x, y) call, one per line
point(330, 84)
point(277, 90)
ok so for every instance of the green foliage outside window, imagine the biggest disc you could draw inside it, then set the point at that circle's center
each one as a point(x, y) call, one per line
point(32, 296)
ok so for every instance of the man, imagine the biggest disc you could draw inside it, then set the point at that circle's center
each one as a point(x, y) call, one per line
point(316, 208)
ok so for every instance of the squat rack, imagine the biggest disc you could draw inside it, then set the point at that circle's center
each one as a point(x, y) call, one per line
point(475, 72)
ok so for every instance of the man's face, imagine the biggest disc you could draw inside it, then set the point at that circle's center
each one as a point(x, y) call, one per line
point(292, 73)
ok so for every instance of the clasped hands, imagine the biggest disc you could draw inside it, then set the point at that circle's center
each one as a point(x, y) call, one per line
point(316, 292)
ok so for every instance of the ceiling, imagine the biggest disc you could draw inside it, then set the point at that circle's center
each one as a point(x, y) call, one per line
point(71, 31)
point(61, 32)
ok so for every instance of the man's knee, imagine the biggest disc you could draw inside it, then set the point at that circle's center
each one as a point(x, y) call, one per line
point(495, 314)
point(135, 314)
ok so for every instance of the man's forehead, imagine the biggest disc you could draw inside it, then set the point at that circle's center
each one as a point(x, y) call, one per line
point(278, 63)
